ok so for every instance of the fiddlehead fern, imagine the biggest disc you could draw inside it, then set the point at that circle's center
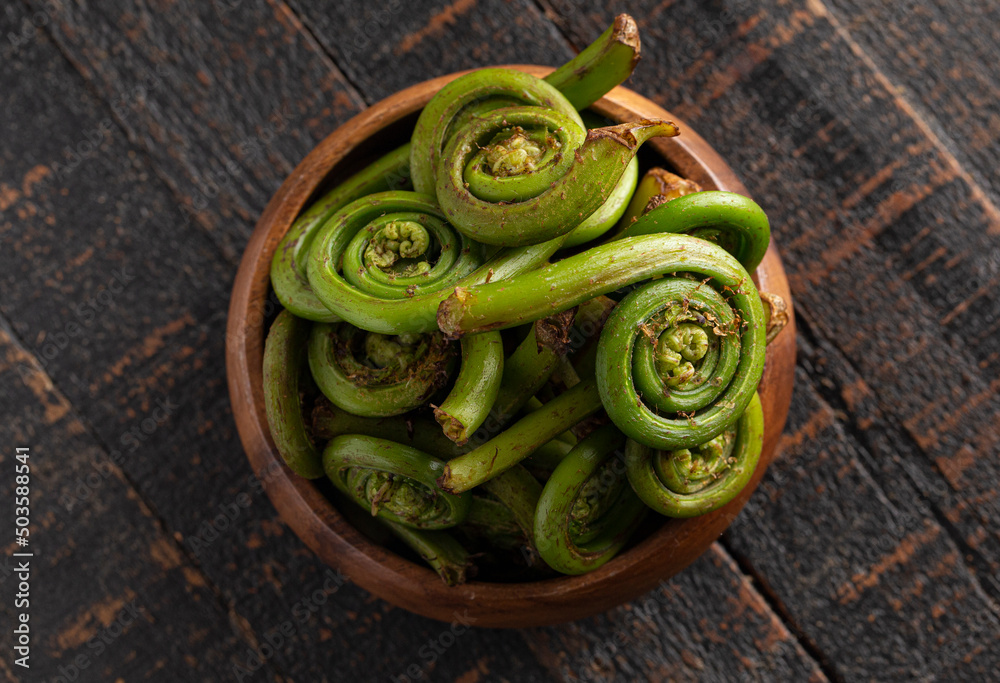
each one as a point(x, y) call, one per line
point(386, 246)
point(473, 94)
point(284, 359)
point(529, 204)
point(377, 375)
point(528, 367)
point(393, 481)
point(608, 61)
point(587, 509)
point(521, 439)
point(416, 431)
point(439, 549)
point(470, 400)
point(600, 66)
point(679, 362)
point(579, 278)
point(610, 212)
point(518, 490)
point(288, 267)
point(361, 267)
point(623, 262)
point(491, 520)
point(657, 186)
point(693, 481)
point(734, 222)
point(776, 309)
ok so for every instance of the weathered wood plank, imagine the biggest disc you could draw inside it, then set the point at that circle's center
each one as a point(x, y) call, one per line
point(226, 96)
point(385, 48)
point(106, 580)
point(860, 563)
point(954, 100)
point(941, 55)
point(706, 624)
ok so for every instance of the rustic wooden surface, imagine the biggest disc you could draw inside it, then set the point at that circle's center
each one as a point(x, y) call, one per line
point(141, 141)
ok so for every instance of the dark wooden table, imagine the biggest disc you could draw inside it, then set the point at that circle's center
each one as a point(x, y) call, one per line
point(140, 141)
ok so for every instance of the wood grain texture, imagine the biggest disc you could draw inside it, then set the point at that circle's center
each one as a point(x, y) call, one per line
point(871, 148)
point(387, 47)
point(674, 634)
point(106, 579)
point(941, 56)
point(226, 96)
point(895, 570)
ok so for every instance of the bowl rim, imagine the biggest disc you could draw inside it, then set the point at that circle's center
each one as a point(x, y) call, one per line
point(392, 577)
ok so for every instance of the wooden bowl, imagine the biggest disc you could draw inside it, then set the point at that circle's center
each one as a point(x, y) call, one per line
point(407, 584)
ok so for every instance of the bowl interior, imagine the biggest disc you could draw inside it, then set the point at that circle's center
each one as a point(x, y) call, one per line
point(656, 553)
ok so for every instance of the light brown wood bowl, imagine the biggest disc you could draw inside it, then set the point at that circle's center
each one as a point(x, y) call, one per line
point(408, 584)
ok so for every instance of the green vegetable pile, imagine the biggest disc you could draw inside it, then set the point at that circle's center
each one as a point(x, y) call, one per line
point(506, 349)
